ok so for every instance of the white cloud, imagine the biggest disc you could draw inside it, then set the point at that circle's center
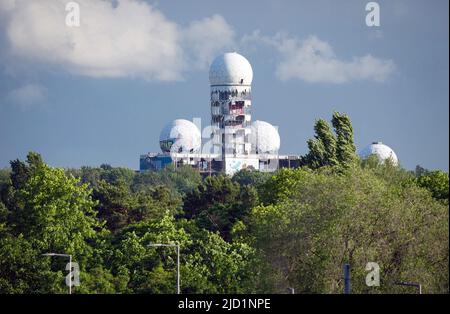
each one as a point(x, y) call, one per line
point(314, 60)
point(205, 38)
point(106, 44)
point(28, 95)
point(115, 38)
point(6, 5)
point(131, 38)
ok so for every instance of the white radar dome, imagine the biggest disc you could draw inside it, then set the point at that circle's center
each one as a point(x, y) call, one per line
point(264, 136)
point(383, 152)
point(230, 69)
point(180, 136)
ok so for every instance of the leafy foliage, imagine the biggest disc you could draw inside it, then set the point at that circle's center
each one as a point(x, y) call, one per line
point(436, 182)
point(328, 149)
point(218, 203)
point(253, 233)
point(345, 147)
point(49, 208)
point(358, 217)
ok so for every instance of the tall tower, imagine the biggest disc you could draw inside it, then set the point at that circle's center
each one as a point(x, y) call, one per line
point(230, 77)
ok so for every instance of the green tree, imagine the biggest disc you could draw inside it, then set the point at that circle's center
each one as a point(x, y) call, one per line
point(328, 149)
point(23, 270)
point(151, 269)
point(345, 147)
point(354, 217)
point(51, 210)
point(114, 203)
point(112, 175)
point(436, 182)
point(254, 232)
point(282, 184)
point(216, 266)
point(5, 174)
point(252, 178)
point(322, 149)
point(119, 206)
point(180, 181)
point(98, 280)
point(327, 138)
point(316, 155)
point(218, 203)
point(208, 263)
point(3, 218)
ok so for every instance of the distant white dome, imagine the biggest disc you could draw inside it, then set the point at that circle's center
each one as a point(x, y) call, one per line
point(230, 69)
point(180, 136)
point(383, 152)
point(264, 136)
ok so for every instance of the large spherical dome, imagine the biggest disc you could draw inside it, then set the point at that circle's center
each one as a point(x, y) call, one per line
point(383, 152)
point(230, 69)
point(180, 136)
point(264, 136)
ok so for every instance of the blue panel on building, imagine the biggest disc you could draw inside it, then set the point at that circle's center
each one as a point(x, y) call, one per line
point(154, 163)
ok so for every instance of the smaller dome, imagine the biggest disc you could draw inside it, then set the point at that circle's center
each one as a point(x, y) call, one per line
point(264, 137)
point(180, 136)
point(383, 152)
point(230, 69)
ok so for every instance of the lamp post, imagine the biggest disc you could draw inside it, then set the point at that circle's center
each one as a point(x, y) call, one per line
point(346, 278)
point(177, 246)
point(70, 265)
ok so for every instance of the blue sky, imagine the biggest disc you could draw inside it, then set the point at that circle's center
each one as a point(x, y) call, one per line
point(101, 92)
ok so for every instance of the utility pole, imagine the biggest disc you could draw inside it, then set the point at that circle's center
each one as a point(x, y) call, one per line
point(178, 269)
point(177, 246)
point(70, 266)
point(346, 278)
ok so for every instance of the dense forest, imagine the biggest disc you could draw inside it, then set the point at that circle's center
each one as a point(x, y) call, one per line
point(254, 232)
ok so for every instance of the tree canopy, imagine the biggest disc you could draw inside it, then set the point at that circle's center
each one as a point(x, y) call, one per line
point(331, 149)
point(254, 232)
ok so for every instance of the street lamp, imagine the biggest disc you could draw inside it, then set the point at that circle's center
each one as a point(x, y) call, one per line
point(177, 246)
point(70, 265)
